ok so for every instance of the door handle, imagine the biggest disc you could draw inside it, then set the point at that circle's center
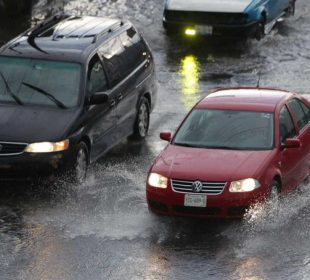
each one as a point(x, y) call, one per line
point(120, 97)
point(112, 103)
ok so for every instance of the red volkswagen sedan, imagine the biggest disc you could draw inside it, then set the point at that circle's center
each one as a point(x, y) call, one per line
point(234, 148)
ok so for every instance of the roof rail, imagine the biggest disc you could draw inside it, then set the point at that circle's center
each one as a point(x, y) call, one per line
point(45, 25)
point(114, 27)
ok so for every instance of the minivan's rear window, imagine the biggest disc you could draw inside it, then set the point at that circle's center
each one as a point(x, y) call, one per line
point(39, 82)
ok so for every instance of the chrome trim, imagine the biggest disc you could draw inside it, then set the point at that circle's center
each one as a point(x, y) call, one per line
point(13, 143)
point(209, 188)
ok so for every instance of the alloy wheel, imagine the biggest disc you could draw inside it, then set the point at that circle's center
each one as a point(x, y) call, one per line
point(143, 120)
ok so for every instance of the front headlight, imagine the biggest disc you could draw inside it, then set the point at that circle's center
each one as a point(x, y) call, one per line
point(47, 147)
point(157, 181)
point(246, 185)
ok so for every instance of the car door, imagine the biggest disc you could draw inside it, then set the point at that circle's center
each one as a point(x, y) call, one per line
point(136, 69)
point(301, 113)
point(289, 158)
point(100, 118)
point(114, 57)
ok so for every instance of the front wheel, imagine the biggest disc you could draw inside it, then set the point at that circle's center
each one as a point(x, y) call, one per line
point(260, 31)
point(142, 122)
point(274, 192)
point(80, 164)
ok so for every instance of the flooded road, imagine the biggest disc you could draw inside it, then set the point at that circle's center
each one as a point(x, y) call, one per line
point(103, 230)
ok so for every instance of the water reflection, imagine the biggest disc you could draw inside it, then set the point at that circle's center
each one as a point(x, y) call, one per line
point(48, 258)
point(189, 72)
point(250, 269)
point(158, 265)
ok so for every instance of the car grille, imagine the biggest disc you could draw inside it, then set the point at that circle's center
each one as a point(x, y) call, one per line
point(210, 188)
point(206, 17)
point(10, 148)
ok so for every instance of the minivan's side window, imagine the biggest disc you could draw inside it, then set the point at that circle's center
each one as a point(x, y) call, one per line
point(301, 112)
point(96, 78)
point(287, 129)
point(135, 49)
point(111, 53)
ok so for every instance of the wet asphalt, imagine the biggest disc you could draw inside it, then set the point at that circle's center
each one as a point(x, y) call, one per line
point(103, 230)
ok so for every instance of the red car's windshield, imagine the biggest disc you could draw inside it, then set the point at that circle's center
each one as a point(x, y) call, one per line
point(227, 129)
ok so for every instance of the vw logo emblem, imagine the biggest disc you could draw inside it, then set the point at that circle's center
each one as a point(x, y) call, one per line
point(197, 186)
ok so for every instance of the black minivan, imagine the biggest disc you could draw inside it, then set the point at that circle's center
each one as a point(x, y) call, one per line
point(71, 88)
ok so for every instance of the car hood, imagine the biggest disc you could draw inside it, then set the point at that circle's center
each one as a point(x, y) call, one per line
point(228, 6)
point(28, 124)
point(178, 162)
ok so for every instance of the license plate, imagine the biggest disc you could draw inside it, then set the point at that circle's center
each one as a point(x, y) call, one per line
point(195, 200)
point(204, 29)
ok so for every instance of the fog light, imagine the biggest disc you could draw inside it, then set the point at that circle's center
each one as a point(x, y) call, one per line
point(190, 32)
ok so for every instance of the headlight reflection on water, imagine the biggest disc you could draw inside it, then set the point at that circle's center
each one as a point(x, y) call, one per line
point(189, 72)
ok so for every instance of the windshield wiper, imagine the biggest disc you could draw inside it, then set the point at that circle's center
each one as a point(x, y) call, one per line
point(48, 95)
point(224, 147)
point(8, 89)
point(187, 145)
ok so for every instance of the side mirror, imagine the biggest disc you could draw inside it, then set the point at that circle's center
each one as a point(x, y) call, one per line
point(165, 136)
point(290, 143)
point(98, 98)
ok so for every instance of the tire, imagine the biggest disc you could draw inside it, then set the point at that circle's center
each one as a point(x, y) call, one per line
point(260, 31)
point(168, 28)
point(274, 192)
point(80, 164)
point(142, 122)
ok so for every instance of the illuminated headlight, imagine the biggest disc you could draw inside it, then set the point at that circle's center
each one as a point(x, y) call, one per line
point(47, 147)
point(190, 32)
point(246, 185)
point(157, 181)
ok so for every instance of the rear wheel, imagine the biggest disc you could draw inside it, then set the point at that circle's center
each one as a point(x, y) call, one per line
point(141, 125)
point(80, 165)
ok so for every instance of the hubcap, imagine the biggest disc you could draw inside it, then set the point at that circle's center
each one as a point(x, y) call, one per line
point(143, 120)
point(81, 165)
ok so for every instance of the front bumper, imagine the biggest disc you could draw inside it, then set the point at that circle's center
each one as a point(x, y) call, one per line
point(223, 206)
point(225, 30)
point(29, 166)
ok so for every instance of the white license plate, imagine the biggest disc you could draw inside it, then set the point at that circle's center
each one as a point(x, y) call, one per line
point(204, 29)
point(195, 200)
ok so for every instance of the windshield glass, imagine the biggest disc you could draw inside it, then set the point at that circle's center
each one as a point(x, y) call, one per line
point(227, 129)
point(39, 82)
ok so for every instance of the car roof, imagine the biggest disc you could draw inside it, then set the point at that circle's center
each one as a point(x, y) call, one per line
point(64, 37)
point(248, 99)
point(218, 6)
